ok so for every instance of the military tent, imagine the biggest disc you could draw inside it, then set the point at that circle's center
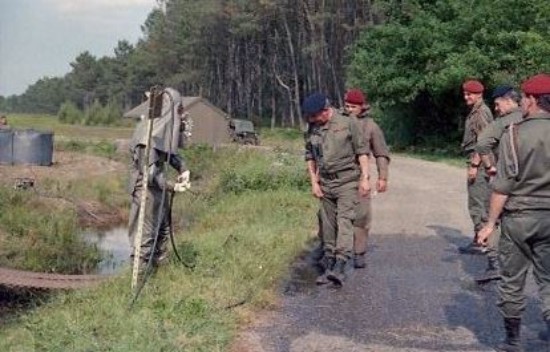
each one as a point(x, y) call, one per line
point(210, 124)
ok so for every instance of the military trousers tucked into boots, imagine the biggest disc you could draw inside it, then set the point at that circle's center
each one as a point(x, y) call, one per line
point(155, 207)
point(524, 242)
point(512, 341)
point(492, 271)
point(362, 223)
point(337, 212)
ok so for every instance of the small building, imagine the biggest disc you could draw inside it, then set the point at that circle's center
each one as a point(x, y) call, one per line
point(210, 123)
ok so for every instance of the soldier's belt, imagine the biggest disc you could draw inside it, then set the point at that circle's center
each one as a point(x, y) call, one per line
point(335, 175)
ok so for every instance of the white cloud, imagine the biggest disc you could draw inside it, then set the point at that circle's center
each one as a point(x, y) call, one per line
point(83, 6)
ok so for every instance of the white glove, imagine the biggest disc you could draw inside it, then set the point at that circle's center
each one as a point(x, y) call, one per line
point(184, 177)
point(183, 183)
point(182, 187)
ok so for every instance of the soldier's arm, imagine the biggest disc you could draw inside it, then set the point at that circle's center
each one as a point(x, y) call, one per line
point(480, 121)
point(309, 157)
point(157, 175)
point(498, 200)
point(177, 162)
point(358, 140)
point(312, 171)
point(507, 166)
point(364, 184)
point(380, 151)
point(488, 139)
point(361, 149)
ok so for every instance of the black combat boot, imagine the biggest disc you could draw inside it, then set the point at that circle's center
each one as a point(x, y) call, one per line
point(326, 264)
point(317, 253)
point(512, 343)
point(338, 273)
point(492, 272)
point(359, 261)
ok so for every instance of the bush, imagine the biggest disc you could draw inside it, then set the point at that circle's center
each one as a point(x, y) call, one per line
point(69, 113)
point(266, 175)
point(96, 115)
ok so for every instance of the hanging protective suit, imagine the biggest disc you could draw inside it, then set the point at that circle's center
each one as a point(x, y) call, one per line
point(168, 133)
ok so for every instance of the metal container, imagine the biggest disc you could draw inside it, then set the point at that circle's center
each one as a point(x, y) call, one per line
point(26, 147)
point(6, 147)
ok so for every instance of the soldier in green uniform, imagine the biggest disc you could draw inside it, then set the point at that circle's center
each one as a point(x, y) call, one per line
point(506, 101)
point(521, 194)
point(356, 105)
point(337, 160)
point(477, 181)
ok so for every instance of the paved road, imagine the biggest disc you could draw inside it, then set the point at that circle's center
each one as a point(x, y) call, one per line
point(416, 294)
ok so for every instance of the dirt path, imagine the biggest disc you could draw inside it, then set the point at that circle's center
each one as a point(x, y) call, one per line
point(416, 294)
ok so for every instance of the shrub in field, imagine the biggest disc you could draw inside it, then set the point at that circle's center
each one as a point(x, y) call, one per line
point(69, 113)
point(95, 115)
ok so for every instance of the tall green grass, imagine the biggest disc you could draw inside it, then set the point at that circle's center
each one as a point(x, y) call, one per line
point(36, 237)
point(66, 131)
point(240, 239)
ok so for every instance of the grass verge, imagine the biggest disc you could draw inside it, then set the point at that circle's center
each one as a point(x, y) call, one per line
point(240, 236)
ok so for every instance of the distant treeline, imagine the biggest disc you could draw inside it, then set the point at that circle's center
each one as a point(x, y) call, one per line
point(257, 59)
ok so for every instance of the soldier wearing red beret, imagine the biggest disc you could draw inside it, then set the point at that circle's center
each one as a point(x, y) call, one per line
point(356, 105)
point(480, 116)
point(521, 198)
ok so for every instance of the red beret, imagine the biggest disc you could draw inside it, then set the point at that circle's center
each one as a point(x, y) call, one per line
point(473, 86)
point(537, 85)
point(355, 96)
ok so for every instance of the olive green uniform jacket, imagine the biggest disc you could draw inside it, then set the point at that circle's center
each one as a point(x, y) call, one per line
point(490, 137)
point(523, 174)
point(335, 147)
point(487, 144)
point(374, 137)
point(479, 191)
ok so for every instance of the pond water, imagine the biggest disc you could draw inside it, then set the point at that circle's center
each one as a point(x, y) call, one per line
point(115, 246)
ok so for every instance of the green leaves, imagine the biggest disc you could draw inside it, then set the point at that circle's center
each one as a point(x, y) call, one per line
point(426, 52)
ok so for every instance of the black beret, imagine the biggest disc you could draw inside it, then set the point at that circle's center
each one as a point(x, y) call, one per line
point(314, 103)
point(500, 91)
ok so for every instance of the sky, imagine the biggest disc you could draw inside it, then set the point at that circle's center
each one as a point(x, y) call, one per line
point(40, 38)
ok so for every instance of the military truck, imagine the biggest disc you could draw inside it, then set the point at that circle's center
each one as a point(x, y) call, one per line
point(242, 132)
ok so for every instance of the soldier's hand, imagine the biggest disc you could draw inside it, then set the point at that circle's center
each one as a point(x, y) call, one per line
point(472, 174)
point(484, 234)
point(184, 177)
point(316, 190)
point(364, 187)
point(381, 185)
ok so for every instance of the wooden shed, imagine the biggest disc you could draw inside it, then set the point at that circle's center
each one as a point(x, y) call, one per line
point(210, 123)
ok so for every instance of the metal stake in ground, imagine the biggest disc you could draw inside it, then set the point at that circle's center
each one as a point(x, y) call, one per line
point(155, 106)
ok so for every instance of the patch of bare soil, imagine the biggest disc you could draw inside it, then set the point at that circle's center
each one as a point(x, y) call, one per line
point(70, 167)
point(67, 166)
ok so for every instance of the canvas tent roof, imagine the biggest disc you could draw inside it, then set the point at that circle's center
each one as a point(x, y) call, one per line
point(210, 124)
point(142, 109)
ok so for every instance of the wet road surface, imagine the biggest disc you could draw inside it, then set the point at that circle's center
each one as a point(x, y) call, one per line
point(416, 294)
